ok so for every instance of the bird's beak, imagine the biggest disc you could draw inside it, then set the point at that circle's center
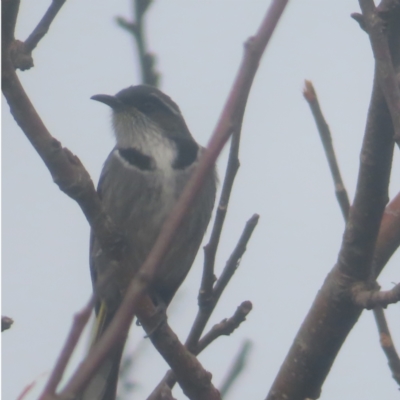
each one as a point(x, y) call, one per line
point(111, 101)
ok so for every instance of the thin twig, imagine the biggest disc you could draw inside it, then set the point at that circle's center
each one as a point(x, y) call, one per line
point(387, 343)
point(80, 320)
point(203, 315)
point(226, 327)
point(237, 367)
point(147, 60)
point(6, 323)
point(44, 25)
point(236, 102)
point(375, 24)
point(326, 138)
point(210, 250)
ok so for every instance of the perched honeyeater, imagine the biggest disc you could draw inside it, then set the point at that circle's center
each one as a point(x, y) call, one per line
point(154, 157)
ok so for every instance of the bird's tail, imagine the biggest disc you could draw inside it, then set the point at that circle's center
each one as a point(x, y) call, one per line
point(103, 385)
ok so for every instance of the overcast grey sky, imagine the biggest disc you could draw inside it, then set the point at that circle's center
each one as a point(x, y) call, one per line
point(283, 176)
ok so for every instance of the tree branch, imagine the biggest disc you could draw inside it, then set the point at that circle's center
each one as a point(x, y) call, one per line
point(228, 122)
point(80, 320)
point(333, 313)
point(326, 138)
point(387, 343)
point(192, 342)
point(375, 23)
point(44, 25)
point(194, 380)
point(147, 60)
point(226, 327)
point(369, 298)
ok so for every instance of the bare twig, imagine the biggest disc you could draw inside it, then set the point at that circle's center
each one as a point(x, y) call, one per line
point(326, 138)
point(375, 24)
point(387, 343)
point(192, 342)
point(80, 320)
point(43, 26)
point(369, 299)
point(226, 125)
point(204, 313)
point(226, 327)
point(238, 365)
point(210, 250)
point(6, 323)
point(147, 60)
point(333, 313)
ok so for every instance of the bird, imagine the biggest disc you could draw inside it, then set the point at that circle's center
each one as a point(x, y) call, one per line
point(143, 177)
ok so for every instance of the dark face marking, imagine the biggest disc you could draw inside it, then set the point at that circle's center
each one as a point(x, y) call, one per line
point(187, 153)
point(157, 106)
point(136, 158)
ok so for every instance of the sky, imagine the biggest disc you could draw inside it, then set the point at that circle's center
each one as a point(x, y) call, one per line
point(283, 176)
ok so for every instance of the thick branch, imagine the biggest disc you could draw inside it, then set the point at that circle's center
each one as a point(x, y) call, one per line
point(194, 380)
point(225, 327)
point(333, 313)
point(374, 23)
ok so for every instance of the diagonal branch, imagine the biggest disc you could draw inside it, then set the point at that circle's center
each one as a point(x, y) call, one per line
point(374, 22)
point(227, 124)
point(326, 138)
point(43, 26)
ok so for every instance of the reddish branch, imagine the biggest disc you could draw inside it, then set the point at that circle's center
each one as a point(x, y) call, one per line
point(333, 313)
point(387, 343)
point(80, 321)
point(226, 125)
